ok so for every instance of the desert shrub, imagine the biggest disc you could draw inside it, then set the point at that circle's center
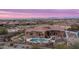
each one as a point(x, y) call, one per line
point(35, 47)
point(3, 31)
point(1, 47)
point(51, 22)
point(75, 46)
point(74, 27)
point(61, 46)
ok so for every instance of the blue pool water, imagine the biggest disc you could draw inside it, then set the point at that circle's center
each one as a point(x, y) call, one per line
point(39, 40)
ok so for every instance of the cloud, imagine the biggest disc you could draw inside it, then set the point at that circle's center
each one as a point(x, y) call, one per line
point(55, 13)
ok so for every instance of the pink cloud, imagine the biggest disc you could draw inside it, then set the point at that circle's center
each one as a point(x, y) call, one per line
point(9, 14)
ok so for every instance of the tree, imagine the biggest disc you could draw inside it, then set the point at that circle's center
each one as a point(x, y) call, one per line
point(3, 31)
point(74, 27)
point(50, 22)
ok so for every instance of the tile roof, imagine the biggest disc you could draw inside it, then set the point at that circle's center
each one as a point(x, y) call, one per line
point(46, 28)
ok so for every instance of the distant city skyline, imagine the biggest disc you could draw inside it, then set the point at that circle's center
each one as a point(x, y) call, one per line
point(35, 13)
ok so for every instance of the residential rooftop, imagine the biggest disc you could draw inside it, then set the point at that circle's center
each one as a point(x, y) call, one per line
point(46, 28)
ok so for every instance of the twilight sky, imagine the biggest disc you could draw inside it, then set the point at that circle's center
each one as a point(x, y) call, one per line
point(42, 13)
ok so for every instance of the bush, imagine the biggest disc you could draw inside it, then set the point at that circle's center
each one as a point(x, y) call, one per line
point(3, 31)
point(61, 46)
point(74, 27)
point(75, 46)
point(35, 47)
point(51, 22)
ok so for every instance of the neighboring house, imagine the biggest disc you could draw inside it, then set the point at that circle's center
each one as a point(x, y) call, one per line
point(72, 37)
point(13, 30)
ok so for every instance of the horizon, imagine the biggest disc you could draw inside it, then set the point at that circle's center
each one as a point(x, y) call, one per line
point(39, 13)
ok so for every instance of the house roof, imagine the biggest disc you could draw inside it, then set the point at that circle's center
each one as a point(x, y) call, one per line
point(46, 28)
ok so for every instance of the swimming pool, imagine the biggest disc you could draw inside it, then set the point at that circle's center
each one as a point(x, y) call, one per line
point(39, 40)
